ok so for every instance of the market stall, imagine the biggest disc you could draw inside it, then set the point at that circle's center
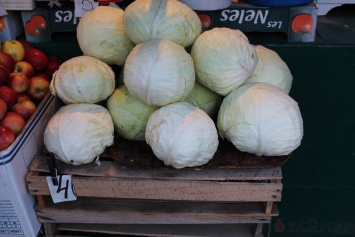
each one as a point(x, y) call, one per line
point(306, 192)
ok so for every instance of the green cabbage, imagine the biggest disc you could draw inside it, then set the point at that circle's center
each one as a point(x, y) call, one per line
point(159, 72)
point(79, 133)
point(223, 59)
point(129, 114)
point(161, 19)
point(207, 100)
point(261, 118)
point(83, 79)
point(271, 69)
point(101, 34)
point(182, 135)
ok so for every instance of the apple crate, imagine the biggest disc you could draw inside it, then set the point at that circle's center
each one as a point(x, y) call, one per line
point(17, 213)
point(133, 192)
point(298, 23)
point(10, 26)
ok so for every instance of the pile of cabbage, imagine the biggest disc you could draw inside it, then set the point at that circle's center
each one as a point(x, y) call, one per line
point(180, 89)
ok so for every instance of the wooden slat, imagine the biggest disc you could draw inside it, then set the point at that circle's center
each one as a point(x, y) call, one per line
point(163, 189)
point(113, 211)
point(225, 230)
point(113, 169)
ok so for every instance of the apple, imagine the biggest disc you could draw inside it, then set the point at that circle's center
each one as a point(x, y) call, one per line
point(14, 48)
point(39, 87)
point(8, 95)
point(7, 137)
point(43, 75)
point(52, 65)
point(4, 74)
point(6, 59)
point(25, 108)
point(36, 58)
point(205, 20)
point(24, 68)
point(22, 97)
point(3, 108)
point(14, 121)
point(26, 44)
point(19, 82)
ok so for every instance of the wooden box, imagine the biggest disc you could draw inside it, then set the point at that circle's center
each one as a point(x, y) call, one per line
point(132, 192)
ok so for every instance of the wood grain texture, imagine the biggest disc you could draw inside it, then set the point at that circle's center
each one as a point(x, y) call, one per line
point(113, 211)
point(163, 189)
point(225, 230)
point(113, 169)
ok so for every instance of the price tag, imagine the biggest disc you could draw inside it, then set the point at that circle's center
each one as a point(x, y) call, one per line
point(84, 6)
point(63, 191)
point(3, 12)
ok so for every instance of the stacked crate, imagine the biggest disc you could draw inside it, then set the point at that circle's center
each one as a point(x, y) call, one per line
point(131, 192)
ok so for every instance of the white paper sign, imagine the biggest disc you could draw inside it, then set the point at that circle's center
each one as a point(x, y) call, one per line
point(84, 6)
point(62, 192)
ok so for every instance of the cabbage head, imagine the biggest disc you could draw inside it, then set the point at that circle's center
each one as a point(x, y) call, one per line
point(223, 59)
point(271, 69)
point(83, 79)
point(129, 114)
point(79, 133)
point(159, 72)
point(161, 19)
point(262, 119)
point(182, 135)
point(207, 100)
point(101, 34)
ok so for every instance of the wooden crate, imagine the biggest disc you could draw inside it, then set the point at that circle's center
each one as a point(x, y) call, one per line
point(118, 198)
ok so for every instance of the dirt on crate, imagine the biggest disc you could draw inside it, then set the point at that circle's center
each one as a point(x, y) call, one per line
point(139, 155)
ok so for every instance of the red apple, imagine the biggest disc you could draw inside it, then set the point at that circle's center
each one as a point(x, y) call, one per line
point(52, 66)
point(3, 108)
point(24, 68)
point(6, 59)
point(39, 87)
point(7, 137)
point(19, 82)
point(40, 74)
point(26, 44)
point(36, 58)
point(4, 74)
point(8, 95)
point(25, 108)
point(14, 121)
point(22, 97)
point(205, 20)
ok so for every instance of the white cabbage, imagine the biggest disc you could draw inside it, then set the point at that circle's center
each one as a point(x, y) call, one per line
point(261, 118)
point(159, 72)
point(161, 19)
point(101, 34)
point(79, 133)
point(182, 135)
point(129, 114)
point(271, 69)
point(223, 59)
point(207, 100)
point(83, 79)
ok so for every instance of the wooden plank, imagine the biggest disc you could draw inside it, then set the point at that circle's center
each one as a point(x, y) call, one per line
point(225, 230)
point(49, 229)
point(113, 211)
point(113, 169)
point(164, 189)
